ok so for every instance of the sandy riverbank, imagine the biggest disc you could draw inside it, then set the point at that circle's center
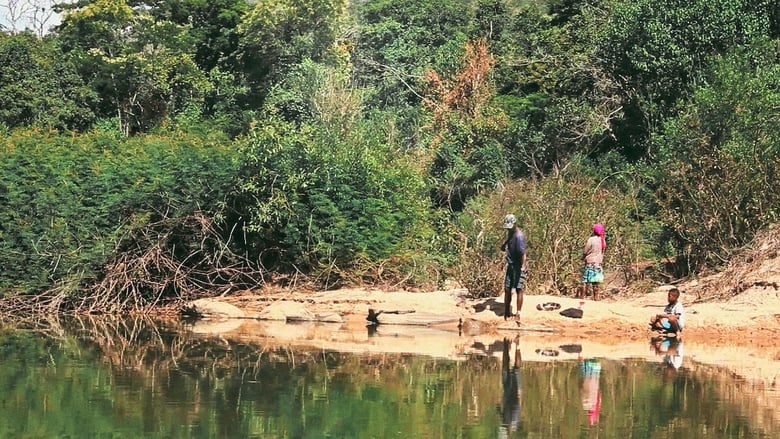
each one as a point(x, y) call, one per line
point(740, 334)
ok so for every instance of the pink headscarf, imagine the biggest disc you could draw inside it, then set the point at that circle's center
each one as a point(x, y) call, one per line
point(598, 229)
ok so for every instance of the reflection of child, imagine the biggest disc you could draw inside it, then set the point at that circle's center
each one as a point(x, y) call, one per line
point(590, 370)
point(674, 355)
point(672, 320)
point(671, 349)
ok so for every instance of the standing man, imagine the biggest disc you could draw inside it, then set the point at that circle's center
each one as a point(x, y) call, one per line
point(516, 266)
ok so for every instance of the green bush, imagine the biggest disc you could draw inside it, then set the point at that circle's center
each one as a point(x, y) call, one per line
point(717, 160)
point(39, 86)
point(68, 201)
point(556, 214)
point(316, 199)
point(328, 190)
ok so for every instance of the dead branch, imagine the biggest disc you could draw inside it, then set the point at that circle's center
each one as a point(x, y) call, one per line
point(171, 261)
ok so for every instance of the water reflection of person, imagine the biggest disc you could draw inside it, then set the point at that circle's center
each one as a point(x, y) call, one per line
point(672, 350)
point(511, 386)
point(590, 370)
point(674, 355)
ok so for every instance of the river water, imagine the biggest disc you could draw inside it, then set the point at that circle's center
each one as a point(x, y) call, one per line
point(136, 378)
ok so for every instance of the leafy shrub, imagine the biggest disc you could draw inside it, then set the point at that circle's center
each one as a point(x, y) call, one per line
point(718, 159)
point(480, 272)
point(67, 200)
point(326, 190)
point(556, 214)
point(321, 200)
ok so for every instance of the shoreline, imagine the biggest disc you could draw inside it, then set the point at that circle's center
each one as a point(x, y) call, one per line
point(741, 336)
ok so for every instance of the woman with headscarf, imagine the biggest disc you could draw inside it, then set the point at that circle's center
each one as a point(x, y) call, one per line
point(593, 255)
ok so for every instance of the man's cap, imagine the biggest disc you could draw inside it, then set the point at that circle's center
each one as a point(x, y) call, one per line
point(509, 221)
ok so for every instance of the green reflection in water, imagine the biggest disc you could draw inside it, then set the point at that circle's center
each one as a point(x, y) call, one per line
point(135, 379)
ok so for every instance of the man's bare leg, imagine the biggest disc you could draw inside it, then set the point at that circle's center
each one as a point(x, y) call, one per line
point(519, 305)
point(507, 302)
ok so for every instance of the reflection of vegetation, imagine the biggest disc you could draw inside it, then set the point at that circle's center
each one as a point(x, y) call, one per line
point(132, 378)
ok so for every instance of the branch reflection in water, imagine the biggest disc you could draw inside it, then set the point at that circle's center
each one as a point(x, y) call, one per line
point(135, 377)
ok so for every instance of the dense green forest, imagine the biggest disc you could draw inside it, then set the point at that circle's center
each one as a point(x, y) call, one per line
point(164, 150)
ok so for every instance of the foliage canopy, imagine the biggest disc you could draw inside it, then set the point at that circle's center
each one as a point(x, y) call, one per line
point(376, 140)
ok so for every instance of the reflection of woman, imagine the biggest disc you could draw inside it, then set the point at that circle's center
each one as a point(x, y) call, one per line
point(590, 370)
point(511, 386)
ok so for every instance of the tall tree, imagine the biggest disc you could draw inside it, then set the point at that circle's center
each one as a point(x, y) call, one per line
point(38, 86)
point(718, 159)
point(276, 35)
point(467, 156)
point(657, 51)
point(15, 13)
point(398, 41)
point(212, 26)
point(561, 102)
point(143, 69)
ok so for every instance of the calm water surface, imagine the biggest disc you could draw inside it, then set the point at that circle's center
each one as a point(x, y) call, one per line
point(133, 379)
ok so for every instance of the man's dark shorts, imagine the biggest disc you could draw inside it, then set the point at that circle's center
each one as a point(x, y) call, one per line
point(520, 284)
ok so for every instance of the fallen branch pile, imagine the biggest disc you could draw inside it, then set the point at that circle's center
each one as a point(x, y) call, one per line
point(170, 261)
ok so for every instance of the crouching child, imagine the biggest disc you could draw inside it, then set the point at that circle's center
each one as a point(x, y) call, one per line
point(672, 320)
